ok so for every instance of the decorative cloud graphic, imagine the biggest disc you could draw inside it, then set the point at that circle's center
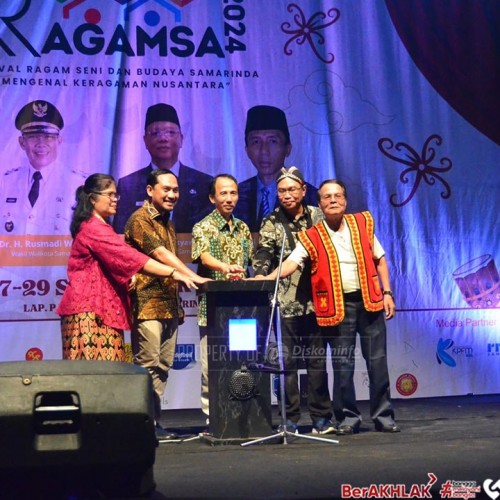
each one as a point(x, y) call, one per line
point(349, 110)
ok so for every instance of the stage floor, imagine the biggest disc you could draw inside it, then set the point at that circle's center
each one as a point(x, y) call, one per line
point(456, 439)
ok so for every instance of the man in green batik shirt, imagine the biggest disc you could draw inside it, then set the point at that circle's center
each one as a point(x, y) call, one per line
point(222, 246)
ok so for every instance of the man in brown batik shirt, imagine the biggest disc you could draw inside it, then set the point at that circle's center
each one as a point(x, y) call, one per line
point(156, 303)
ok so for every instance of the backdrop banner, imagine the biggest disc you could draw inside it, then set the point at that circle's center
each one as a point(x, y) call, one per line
point(381, 95)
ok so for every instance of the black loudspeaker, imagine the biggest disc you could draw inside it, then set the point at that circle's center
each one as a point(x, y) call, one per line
point(76, 428)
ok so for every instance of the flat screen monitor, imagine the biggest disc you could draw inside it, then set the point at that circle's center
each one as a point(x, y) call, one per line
point(243, 334)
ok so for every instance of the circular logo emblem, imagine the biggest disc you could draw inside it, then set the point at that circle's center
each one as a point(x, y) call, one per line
point(34, 354)
point(406, 384)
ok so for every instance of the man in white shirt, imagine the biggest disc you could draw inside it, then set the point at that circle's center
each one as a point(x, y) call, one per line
point(348, 267)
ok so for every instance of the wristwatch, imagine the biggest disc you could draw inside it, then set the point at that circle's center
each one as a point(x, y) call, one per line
point(388, 292)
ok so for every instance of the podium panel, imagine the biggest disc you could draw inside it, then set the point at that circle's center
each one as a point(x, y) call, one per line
point(237, 323)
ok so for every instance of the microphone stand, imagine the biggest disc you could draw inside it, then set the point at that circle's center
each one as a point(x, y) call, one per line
point(275, 310)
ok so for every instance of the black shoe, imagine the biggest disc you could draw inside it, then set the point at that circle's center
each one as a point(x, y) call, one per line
point(347, 430)
point(163, 435)
point(391, 428)
point(324, 426)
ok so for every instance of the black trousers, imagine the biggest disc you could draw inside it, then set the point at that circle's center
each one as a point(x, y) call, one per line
point(303, 340)
point(342, 339)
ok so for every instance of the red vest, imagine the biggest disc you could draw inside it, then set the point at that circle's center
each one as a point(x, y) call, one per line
point(326, 280)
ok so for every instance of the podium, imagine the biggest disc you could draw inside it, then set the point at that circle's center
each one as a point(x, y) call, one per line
point(237, 324)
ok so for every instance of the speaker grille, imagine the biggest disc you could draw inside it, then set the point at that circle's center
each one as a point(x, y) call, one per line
point(242, 385)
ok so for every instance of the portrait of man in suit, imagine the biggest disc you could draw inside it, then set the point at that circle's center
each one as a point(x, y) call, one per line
point(267, 144)
point(163, 139)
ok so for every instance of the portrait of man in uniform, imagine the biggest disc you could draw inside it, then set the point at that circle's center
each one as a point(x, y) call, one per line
point(37, 196)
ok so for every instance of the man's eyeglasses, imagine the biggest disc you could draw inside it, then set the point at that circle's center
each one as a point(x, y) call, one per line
point(158, 134)
point(111, 196)
point(291, 190)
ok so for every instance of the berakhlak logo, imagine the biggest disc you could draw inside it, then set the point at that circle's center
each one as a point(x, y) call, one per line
point(442, 356)
point(492, 489)
point(389, 490)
